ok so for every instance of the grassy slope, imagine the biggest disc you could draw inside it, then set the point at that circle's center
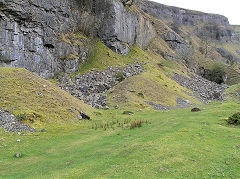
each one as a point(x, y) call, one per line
point(176, 144)
point(22, 93)
point(154, 83)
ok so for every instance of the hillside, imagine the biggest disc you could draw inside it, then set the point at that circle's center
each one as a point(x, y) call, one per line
point(112, 54)
point(117, 89)
point(36, 101)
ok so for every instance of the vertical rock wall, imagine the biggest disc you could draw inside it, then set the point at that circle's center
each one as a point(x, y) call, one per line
point(121, 28)
point(29, 35)
point(31, 32)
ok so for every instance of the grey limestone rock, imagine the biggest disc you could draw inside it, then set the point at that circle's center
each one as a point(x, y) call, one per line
point(31, 30)
point(178, 16)
point(9, 122)
point(120, 28)
point(92, 86)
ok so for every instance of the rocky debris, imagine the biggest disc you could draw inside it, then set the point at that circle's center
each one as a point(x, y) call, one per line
point(92, 86)
point(204, 89)
point(9, 122)
point(159, 107)
point(182, 103)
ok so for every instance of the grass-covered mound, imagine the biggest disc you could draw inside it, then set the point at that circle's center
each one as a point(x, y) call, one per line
point(233, 93)
point(33, 99)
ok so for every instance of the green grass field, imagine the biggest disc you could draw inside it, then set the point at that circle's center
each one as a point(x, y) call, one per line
point(171, 144)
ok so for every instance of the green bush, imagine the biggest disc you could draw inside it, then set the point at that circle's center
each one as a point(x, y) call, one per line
point(234, 119)
point(120, 77)
point(216, 73)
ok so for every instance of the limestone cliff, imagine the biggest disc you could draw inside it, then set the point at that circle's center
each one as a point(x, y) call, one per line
point(32, 32)
point(216, 26)
point(120, 28)
point(39, 35)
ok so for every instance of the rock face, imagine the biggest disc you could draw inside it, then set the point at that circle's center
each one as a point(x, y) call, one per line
point(174, 16)
point(32, 32)
point(180, 15)
point(120, 28)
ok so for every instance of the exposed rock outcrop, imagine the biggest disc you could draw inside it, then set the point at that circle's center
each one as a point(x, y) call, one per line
point(120, 28)
point(92, 86)
point(32, 32)
point(218, 24)
point(30, 35)
point(180, 15)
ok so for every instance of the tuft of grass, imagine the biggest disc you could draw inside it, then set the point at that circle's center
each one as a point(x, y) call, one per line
point(136, 124)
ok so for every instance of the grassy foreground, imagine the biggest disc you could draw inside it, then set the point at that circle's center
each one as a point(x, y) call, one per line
point(173, 144)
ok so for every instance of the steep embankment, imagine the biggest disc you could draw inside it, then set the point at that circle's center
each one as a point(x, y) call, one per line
point(36, 101)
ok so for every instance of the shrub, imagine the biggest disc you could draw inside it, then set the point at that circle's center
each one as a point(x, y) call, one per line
point(234, 119)
point(216, 73)
point(119, 76)
point(140, 94)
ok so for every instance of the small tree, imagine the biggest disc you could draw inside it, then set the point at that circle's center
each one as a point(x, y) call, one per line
point(207, 34)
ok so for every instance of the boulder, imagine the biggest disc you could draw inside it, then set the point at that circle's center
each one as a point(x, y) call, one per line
point(195, 109)
point(84, 115)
